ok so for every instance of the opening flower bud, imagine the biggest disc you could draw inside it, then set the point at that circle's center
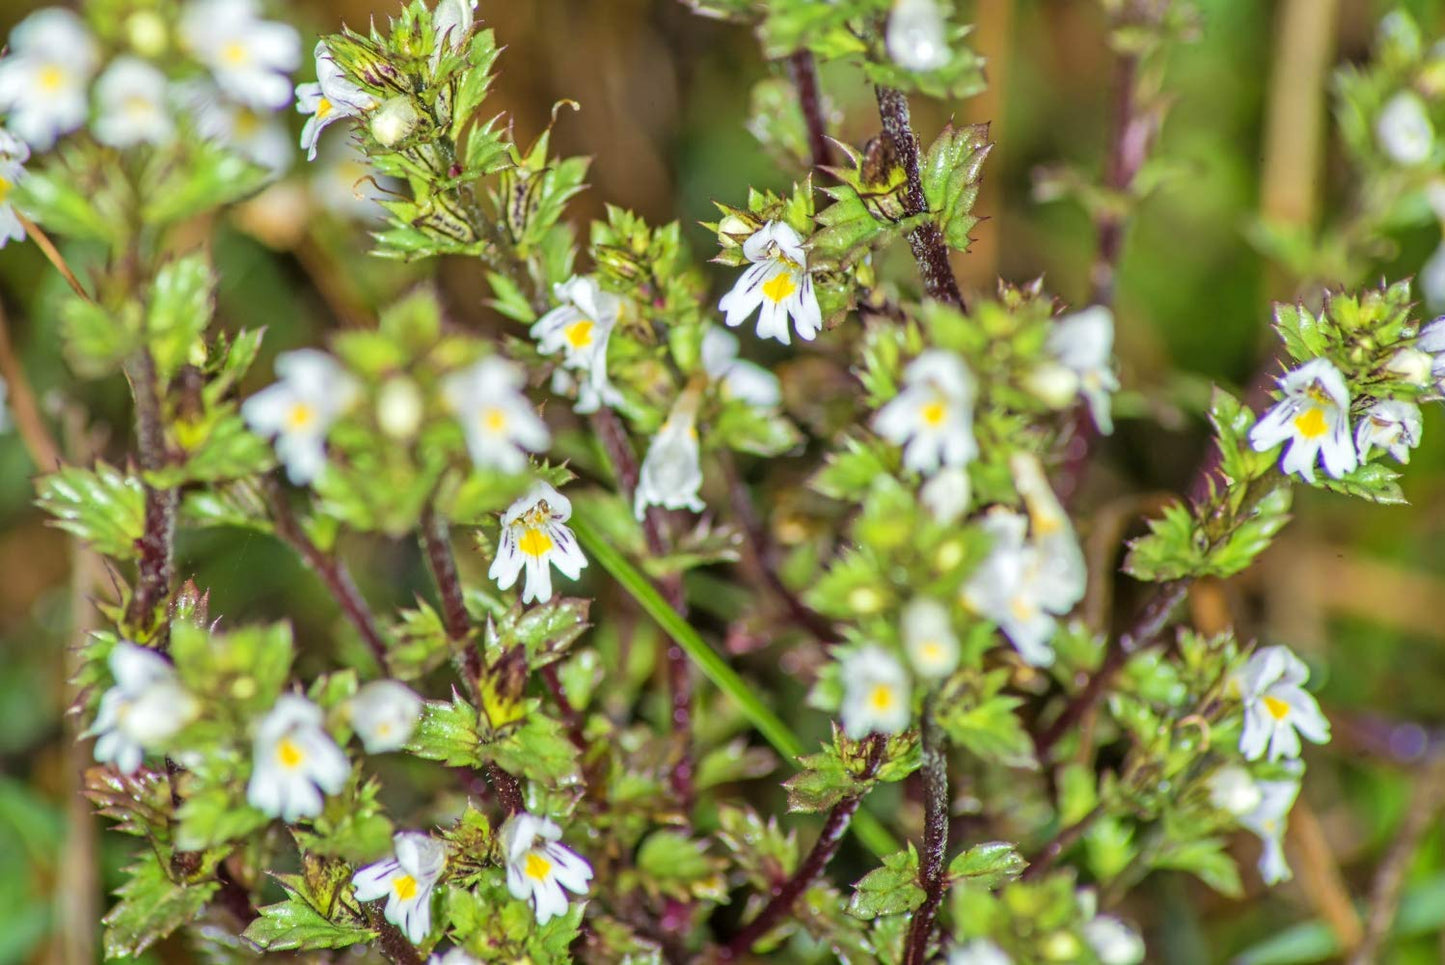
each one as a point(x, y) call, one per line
point(399, 408)
point(1410, 365)
point(1053, 384)
point(394, 121)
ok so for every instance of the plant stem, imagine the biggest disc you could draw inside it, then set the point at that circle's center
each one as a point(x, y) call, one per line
point(156, 565)
point(935, 838)
point(804, 71)
point(926, 240)
point(1129, 147)
point(394, 944)
point(1060, 843)
point(785, 894)
point(53, 255)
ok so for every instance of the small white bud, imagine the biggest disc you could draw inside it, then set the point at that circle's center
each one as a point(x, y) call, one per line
point(1404, 129)
point(916, 35)
point(147, 33)
point(1411, 365)
point(1054, 384)
point(394, 121)
point(399, 408)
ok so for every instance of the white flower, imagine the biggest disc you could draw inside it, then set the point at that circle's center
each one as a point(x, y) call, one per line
point(778, 282)
point(146, 706)
point(294, 761)
point(1233, 790)
point(1277, 710)
point(671, 473)
point(916, 37)
point(737, 378)
point(535, 537)
point(1389, 424)
point(384, 714)
point(1411, 365)
point(250, 58)
point(980, 951)
point(256, 136)
point(314, 391)
point(43, 80)
point(406, 881)
point(1114, 942)
point(539, 867)
point(13, 155)
point(929, 639)
point(1431, 279)
point(1314, 416)
point(1404, 129)
point(946, 495)
point(1267, 820)
point(500, 424)
point(131, 104)
point(452, 23)
point(933, 414)
point(1083, 343)
point(876, 695)
point(580, 329)
point(329, 98)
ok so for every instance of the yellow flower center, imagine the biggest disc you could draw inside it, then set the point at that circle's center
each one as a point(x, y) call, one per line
point(1277, 708)
point(779, 287)
point(534, 542)
point(933, 413)
point(1311, 423)
point(247, 123)
point(300, 416)
point(880, 698)
point(579, 333)
point(932, 651)
point(323, 108)
point(1022, 609)
point(235, 54)
point(405, 887)
point(536, 867)
point(290, 754)
point(51, 78)
point(5, 186)
point(494, 419)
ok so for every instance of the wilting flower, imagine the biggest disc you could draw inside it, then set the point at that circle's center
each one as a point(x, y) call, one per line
point(329, 98)
point(946, 494)
point(580, 328)
point(13, 155)
point(1314, 417)
point(249, 58)
point(980, 951)
point(1267, 820)
point(500, 425)
point(452, 23)
point(385, 714)
point(406, 881)
point(738, 378)
point(1404, 129)
point(146, 706)
point(539, 867)
point(932, 417)
point(929, 639)
point(779, 283)
point(131, 104)
point(44, 77)
point(1114, 942)
point(1083, 343)
point(671, 473)
point(314, 391)
point(876, 695)
point(1391, 425)
point(535, 537)
point(1277, 709)
point(917, 35)
point(294, 761)
point(257, 136)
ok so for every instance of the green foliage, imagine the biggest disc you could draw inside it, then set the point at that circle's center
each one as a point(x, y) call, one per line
point(890, 890)
point(103, 507)
point(151, 906)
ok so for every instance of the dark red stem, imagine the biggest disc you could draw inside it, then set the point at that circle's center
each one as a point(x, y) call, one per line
point(935, 839)
point(804, 71)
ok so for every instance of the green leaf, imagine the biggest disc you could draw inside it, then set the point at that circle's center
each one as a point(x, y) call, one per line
point(448, 732)
point(211, 816)
point(53, 197)
point(97, 340)
point(1374, 481)
point(539, 749)
point(151, 907)
point(178, 312)
point(677, 866)
point(1207, 858)
point(210, 178)
point(1174, 548)
point(951, 172)
point(545, 631)
point(890, 890)
point(988, 865)
point(294, 925)
point(104, 507)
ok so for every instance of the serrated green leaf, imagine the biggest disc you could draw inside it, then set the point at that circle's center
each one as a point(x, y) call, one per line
point(890, 890)
point(151, 906)
point(293, 925)
point(104, 507)
point(988, 865)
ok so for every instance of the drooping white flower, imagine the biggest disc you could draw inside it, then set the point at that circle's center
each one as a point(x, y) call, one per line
point(932, 417)
point(580, 328)
point(452, 22)
point(1083, 343)
point(928, 638)
point(499, 423)
point(1233, 790)
point(145, 707)
point(1404, 129)
point(917, 35)
point(255, 135)
point(1313, 416)
point(13, 155)
point(980, 951)
point(777, 282)
point(535, 537)
point(313, 392)
point(406, 881)
point(131, 104)
point(540, 867)
point(385, 714)
point(876, 694)
point(946, 495)
point(1277, 709)
point(738, 378)
point(1268, 820)
point(249, 58)
point(43, 80)
point(327, 99)
point(1114, 942)
point(671, 473)
point(294, 760)
point(1389, 424)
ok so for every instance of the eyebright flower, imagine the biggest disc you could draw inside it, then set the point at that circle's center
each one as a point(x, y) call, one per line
point(294, 760)
point(932, 417)
point(1114, 942)
point(1404, 129)
point(1389, 424)
point(500, 425)
point(1314, 417)
point(980, 951)
point(1277, 709)
point(329, 98)
point(249, 58)
point(539, 867)
point(580, 328)
point(44, 77)
point(737, 378)
point(406, 881)
point(452, 23)
point(929, 639)
point(946, 494)
point(916, 36)
point(13, 155)
point(535, 537)
point(146, 706)
point(314, 391)
point(876, 695)
point(671, 473)
point(131, 104)
point(1083, 343)
point(385, 714)
point(256, 136)
point(779, 283)
point(1267, 820)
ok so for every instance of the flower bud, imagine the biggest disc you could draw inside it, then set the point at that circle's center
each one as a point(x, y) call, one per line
point(1411, 365)
point(1053, 384)
point(394, 121)
point(1404, 129)
point(146, 32)
point(399, 408)
point(1233, 791)
point(916, 35)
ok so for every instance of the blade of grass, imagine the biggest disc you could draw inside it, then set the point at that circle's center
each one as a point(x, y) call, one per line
point(868, 828)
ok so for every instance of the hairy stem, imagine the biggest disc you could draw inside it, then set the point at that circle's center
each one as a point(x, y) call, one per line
point(156, 566)
point(394, 944)
point(935, 838)
point(926, 240)
point(804, 71)
point(1133, 136)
